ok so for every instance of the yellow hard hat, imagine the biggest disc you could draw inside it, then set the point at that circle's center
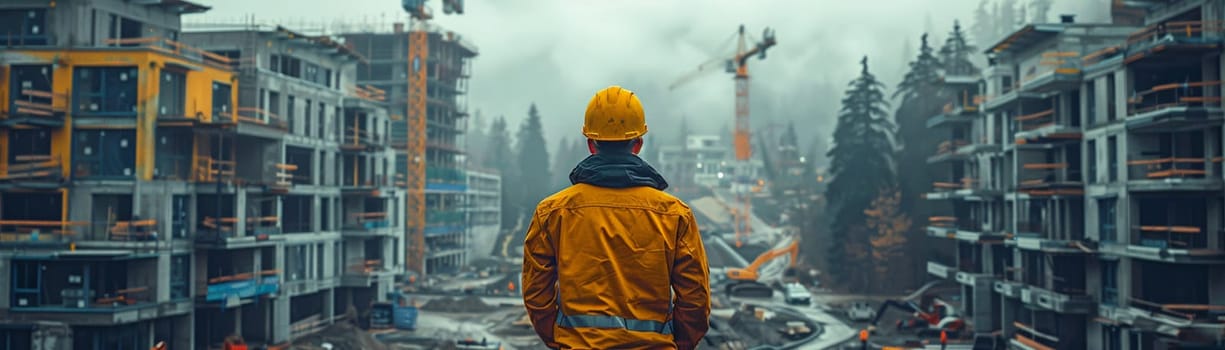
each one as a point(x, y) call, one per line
point(614, 114)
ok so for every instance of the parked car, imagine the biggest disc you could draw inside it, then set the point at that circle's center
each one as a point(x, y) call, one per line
point(860, 311)
point(795, 293)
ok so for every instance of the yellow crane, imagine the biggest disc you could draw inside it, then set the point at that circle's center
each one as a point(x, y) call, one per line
point(737, 64)
point(418, 52)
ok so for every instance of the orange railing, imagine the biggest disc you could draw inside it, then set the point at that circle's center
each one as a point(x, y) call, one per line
point(369, 93)
point(208, 169)
point(254, 225)
point(1191, 312)
point(1177, 29)
point(285, 174)
point(1037, 120)
point(34, 167)
point(1164, 168)
point(25, 230)
point(965, 183)
point(1097, 56)
point(1187, 94)
point(172, 47)
point(1055, 62)
point(38, 103)
point(942, 221)
point(132, 230)
point(258, 116)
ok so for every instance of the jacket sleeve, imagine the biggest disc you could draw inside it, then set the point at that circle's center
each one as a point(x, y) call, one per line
point(540, 280)
point(691, 282)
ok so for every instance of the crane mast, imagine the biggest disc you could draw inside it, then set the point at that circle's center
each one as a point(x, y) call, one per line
point(415, 115)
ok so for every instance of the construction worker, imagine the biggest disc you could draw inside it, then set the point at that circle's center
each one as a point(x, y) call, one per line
point(613, 262)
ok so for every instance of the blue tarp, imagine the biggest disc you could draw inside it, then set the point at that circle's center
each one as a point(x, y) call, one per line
point(434, 186)
point(243, 289)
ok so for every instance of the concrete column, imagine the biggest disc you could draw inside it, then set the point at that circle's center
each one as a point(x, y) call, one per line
point(316, 208)
point(280, 305)
point(240, 212)
point(329, 303)
point(162, 287)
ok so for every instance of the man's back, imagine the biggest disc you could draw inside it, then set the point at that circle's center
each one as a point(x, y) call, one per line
point(618, 254)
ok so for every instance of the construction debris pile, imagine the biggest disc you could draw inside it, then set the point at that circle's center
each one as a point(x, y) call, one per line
point(470, 304)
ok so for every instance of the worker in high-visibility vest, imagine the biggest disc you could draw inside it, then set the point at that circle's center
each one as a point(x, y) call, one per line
point(613, 262)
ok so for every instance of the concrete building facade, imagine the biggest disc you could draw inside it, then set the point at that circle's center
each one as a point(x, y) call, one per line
point(155, 191)
point(1087, 201)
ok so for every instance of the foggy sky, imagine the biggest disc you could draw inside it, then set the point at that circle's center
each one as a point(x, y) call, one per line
point(557, 53)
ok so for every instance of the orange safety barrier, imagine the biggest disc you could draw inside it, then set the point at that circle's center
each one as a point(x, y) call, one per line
point(1044, 166)
point(168, 46)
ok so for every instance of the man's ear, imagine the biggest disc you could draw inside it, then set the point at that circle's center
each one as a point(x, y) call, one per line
point(638, 145)
point(591, 146)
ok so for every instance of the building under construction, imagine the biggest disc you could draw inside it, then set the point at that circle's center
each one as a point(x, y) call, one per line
point(155, 191)
point(1085, 182)
point(445, 237)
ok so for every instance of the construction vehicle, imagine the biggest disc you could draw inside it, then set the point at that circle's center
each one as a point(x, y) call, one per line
point(929, 315)
point(770, 268)
point(737, 64)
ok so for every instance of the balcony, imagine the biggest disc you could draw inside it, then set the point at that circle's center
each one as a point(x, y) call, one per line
point(171, 47)
point(35, 172)
point(1030, 237)
point(1009, 96)
point(947, 151)
point(38, 232)
point(441, 222)
point(1064, 301)
point(1011, 289)
point(257, 122)
point(940, 270)
point(1176, 107)
point(960, 112)
point(444, 179)
point(367, 224)
point(1044, 127)
point(223, 232)
point(969, 189)
point(976, 280)
point(365, 273)
point(1170, 244)
point(358, 139)
point(208, 170)
point(93, 288)
point(35, 109)
point(1173, 173)
point(238, 289)
point(285, 179)
point(1186, 314)
point(1057, 71)
point(136, 230)
point(1158, 42)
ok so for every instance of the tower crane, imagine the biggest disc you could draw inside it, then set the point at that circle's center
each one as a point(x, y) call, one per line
point(737, 64)
point(418, 52)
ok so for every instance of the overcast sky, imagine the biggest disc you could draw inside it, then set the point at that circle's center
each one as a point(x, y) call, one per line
point(557, 53)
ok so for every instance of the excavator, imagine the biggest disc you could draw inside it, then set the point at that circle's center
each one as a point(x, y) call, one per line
point(755, 280)
point(929, 316)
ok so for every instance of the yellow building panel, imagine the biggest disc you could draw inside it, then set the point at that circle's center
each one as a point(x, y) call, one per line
point(149, 62)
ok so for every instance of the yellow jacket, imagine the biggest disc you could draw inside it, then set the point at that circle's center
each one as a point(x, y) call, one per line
point(607, 268)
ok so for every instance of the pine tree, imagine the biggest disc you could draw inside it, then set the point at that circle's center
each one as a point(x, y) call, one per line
point(1006, 18)
point(983, 29)
point(889, 226)
point(498, 157)
point(533, 162)
point(923, 75)
point(956, 53)
point(861, 163)
point(561, 164)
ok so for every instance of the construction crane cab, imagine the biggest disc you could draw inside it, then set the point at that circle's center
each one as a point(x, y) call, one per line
point(756, 280)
